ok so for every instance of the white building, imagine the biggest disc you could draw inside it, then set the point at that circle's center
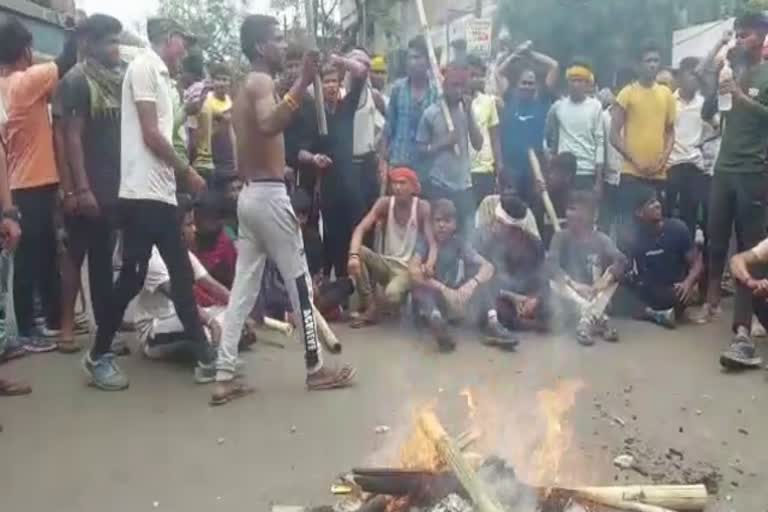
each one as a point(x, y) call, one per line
point(447, 20)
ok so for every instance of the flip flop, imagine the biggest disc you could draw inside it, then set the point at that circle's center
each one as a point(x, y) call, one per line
point(340, 378)
point(362, 321)
point(11, 388)
point(68, 346)
point(239, 391)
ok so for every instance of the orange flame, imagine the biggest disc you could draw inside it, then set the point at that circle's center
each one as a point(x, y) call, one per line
point(554, 404)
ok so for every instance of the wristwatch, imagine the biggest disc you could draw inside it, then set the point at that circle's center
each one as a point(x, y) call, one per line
point(12, 214)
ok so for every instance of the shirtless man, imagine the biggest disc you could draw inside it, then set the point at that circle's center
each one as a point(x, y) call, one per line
point(268, 226)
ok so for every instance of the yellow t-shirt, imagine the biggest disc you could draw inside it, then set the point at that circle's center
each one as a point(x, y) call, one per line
point(486, 116)
point(648, 112)
point(207, 128)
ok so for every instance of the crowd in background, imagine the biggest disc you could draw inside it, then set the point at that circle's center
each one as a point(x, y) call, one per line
point(511, 194)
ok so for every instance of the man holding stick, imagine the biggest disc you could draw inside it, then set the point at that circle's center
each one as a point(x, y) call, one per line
point(268, 225)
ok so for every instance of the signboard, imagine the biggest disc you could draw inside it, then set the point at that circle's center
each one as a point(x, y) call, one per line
point(479, 36)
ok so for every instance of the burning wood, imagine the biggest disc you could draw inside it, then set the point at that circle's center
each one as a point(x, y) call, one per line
point(495, 488)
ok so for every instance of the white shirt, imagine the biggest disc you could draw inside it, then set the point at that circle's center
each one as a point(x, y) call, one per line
point(142, 174)
point(364, 138)
point(154, 306)
point(581, 132)
point(614, 162)
point(689, 128)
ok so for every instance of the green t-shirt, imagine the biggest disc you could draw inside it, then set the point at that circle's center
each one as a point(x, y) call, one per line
point(744, 145)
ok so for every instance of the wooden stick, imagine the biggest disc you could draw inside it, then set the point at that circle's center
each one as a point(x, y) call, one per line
point(317, 85)
point(675, 497)
point(435, 69)
point(447, 448)
point(326, 334)
point(539, 176)
point(276, 325)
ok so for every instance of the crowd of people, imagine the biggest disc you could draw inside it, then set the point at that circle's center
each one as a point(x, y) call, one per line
point(503, 195)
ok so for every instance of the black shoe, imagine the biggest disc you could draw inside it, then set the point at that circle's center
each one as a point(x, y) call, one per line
point(496, 335)
point(439, 328)
point(740, 355)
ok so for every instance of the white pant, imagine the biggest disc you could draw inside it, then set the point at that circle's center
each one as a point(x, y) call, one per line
point(268, 227)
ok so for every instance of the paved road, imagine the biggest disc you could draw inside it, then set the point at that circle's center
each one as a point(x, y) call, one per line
point(68, 447)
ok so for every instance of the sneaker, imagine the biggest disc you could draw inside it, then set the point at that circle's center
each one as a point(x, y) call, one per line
point(758, 331)
point(603, 328)
point(741, 354)
point(499, 336)
point(45, 332)
point(13, 349)
point(584, 337)
point(37, 345)
point(665, 318)
point(105, 374)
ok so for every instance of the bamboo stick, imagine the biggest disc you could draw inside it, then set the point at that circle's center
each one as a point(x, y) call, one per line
point(435, 69)
point(276, 325)
point(317, 85)
point(327, 336)
point(675, 497)
point(447, 448)
point(539, 176)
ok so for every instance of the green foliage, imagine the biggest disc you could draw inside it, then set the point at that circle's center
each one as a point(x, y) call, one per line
point(606, 32)
point(215, 22)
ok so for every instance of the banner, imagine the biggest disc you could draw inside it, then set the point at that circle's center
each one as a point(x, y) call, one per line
point(479, 37)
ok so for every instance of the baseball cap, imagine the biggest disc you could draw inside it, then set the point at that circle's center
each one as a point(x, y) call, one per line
point(157, 27)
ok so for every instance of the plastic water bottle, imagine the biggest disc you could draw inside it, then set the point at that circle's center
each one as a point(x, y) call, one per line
point(725, 101)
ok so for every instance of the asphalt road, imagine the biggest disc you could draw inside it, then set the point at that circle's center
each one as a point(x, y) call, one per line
point(159, 446)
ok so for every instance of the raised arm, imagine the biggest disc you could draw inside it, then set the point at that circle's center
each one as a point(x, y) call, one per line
point(552, 77)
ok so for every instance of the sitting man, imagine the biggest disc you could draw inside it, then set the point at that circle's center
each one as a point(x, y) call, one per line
point(459, 288)
point(404, 218)
point(748, 269)
point(489, 209)
point(667, 265)
point(158, 327)
point(585, 266)
point(510, 240)
point(213, 247)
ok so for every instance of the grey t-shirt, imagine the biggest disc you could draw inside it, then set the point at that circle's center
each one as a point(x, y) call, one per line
point(583, 260)
point(447, 169)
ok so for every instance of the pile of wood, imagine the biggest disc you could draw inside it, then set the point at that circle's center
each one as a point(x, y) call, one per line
point(493, 487)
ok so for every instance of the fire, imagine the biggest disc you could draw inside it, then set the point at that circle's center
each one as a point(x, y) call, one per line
point(471, 404)
point(554, 404)
point(419, 452)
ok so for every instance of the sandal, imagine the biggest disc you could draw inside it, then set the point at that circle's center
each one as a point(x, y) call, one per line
point(11, 388)
point(238, 390)
point(70, 346)
point(325, 379)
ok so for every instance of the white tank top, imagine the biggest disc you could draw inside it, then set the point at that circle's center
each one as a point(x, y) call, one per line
point(400, 241)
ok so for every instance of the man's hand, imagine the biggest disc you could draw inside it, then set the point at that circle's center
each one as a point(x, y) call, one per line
point(527, 307)
point(758, 286)
point(354, 267)
point(215, 328)
point(195, 183)
point(428, 268)
point(731, 87)
point(309, 67)
point(684, 291)
point(10, 233)
point(321, 161)
point(87, 204)
point(69, 204)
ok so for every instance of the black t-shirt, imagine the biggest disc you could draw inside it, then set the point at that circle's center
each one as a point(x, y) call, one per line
point(660, 258)
point(341, 182)
point(101, 134)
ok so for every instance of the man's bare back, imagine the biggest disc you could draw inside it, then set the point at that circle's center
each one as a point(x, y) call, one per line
point(260, 148)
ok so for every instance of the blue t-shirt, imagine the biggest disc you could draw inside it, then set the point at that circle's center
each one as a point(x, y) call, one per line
point(522, 128)
point(661, 258)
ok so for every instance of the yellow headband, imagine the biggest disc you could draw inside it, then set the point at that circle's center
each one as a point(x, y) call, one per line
point(378, 63)
point(580, 72)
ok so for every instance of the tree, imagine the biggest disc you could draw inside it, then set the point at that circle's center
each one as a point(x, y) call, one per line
point(215, 22)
